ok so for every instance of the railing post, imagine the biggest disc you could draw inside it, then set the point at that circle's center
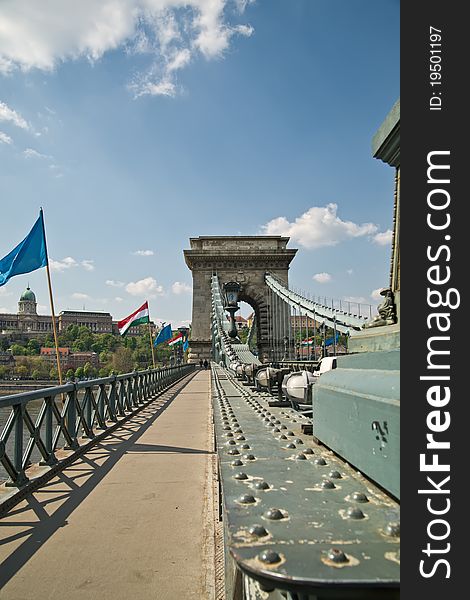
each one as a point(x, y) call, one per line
point(112, 400)
point(20, 478)
point(71, 419)
point(51, 459)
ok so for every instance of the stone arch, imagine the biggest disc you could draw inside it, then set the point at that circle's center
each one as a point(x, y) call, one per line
point(245, 259)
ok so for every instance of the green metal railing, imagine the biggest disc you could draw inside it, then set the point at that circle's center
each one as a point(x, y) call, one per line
point(73, 411)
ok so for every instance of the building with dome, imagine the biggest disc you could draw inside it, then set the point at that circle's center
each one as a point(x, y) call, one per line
point(28, 322)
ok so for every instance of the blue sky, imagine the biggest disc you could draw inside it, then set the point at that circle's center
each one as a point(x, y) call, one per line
point(137, 124)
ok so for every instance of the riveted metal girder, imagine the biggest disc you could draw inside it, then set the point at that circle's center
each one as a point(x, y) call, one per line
point(297, 517)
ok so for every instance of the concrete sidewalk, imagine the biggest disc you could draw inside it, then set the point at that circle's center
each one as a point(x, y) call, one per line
point(132, 519)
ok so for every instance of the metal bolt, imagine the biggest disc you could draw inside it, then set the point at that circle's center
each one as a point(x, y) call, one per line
point(298, 441)
point(241, 438)
point(337, 556)
point(283, 437)
point(308, 451)
point(359, 497)
point(233, 451)
point(291, 446)
point(300, 456)
point(258, 531)
point(355, 513)
point(245, 446)
point(230, 443)
point(269, 557)
point(334, 475)
point(236, 463)
point(320, 461)
point(261, 485)
point(247, 499)
point(393, 529)
point(328, 485)
point(290, 433)
point(249, 457)
point(240, 476)
point(274, 514)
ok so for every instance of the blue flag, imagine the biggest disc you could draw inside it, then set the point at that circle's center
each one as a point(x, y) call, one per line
point(29, 255)
point(163, 335)
point(185, 345)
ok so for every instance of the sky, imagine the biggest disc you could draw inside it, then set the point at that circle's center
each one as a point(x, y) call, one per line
point(137, 124)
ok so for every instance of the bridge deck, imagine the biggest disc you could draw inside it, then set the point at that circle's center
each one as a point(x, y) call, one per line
point(133, 518)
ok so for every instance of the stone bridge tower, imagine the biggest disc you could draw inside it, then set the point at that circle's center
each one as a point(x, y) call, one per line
point(234, 258)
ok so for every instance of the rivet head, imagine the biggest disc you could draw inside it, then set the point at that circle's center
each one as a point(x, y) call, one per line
point(298, 441)
point(227, 428)
point(393, 529)
point(240, 476)
point(359, 497)
point(261, 485)
point(233, 451)
point(300, 456)
point(231, 443)
point(328, 485)
point(308, 451)
point(276, 430)
point(245, 446)
point(247, 499)
point(320, 461)
point(337, 556)
point(334, 475)
point(355, 513)
point(283, 437)
point(266, 420)
point(229, 435)
point(258, 531)
point(283, 427)
point(290, 433)
point(274, 514)
point(277, 422)
point(291, 446)
point(236, 463)
point(238, 430)
point(249, 456)
point(240, 438)
point(269, 557)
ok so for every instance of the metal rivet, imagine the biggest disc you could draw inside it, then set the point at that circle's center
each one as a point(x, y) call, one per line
point(393, 529)
point(359, 497)
point(227, 428)
point(290, 433)
point(266, 420)
point(233, 451)
point(298, 441)
point(283, 427)
point(355, 513)
point(229, 435)
point(274, 514)
point(247, 499)
point(276, 430)
point(245, 446)
point(261, 485)
point(236, 463)
point(337, 556)
point(328, 485)
point(300, 456)
point(238, 430)
point(241, 438)
point(230, 443)
point(334, 475)
point(258, 531)
point(249, 457)
point(269, 557)
point(291, 446)
point(240, 476)
point(308, 451)
point(283, 437)
point(320, 461)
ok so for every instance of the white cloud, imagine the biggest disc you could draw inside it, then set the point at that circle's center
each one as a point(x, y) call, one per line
point(168, 33)
point(375, 294)
point(322, 277)
point(80, 296)
point(113, 283)
point(62, 265)
point(319, 226)
point(69, 263)
point(6, 113)
point(350, 271)
point(144, 253)
point(383, 238)
point(88, 265)
point(4, 138)
point(147, 287)
point(118, 299)
point(30, 153)
point(181, 288)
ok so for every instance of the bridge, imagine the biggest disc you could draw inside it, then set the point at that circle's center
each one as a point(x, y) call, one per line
point(274, 474)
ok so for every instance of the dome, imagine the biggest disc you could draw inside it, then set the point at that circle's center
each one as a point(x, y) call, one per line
point(28, 296)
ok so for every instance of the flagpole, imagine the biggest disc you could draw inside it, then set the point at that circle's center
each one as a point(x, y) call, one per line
point(54, 327)
point(151, 344)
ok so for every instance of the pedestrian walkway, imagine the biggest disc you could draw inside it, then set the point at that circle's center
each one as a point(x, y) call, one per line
point(131, 519)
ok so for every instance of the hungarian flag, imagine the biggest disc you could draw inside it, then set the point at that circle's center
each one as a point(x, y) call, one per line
point(139, 317)
point(178, 339)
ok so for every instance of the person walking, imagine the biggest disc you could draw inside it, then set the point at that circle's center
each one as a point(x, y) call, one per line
point(201, 364)
point(206, 364)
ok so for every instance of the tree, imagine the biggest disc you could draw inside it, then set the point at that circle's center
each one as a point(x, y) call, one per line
point(4, 371)
point(36, 374)
point(79, 372)
point(53, 374)
point(70, 374)
point(33, 347)
point(21, 371)
point(17, 350)
point(122, 360)
point(88, 370)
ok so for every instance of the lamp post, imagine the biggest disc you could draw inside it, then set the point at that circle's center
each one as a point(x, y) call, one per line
point(231, 291)
point(286, 348)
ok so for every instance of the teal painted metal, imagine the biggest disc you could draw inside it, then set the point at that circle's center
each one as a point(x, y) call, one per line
point(297, 518)
point(72, 411)
point(356, 413)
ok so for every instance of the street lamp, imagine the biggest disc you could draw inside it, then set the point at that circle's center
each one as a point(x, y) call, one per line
point(231, 291)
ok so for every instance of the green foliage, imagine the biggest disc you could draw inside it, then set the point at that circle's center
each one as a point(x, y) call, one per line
point(4, 372)
point(17, 350)
point(79, 372)
point(70, 374)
